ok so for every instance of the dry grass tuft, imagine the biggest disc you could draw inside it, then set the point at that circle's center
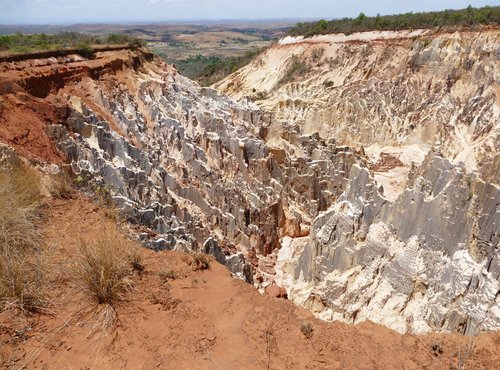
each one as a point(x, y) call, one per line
point(22, 277)
point(20, 199)
point(464, 356)
point(106, 317)
point(135, 259)
point(60, 186)
point(22, 280)
point(271, 343)
point(200, 261)
point(102, 266)
point(307, 329)
point(167, 274)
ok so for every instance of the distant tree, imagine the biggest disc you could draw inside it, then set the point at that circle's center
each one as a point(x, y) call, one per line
point(361, 17)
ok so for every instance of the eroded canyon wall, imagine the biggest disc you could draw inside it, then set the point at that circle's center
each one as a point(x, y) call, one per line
point(412, 242)
point(366, 183)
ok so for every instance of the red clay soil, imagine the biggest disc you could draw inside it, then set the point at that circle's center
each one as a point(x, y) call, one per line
point(22, 122)
point(177, 318)
point(34, 93)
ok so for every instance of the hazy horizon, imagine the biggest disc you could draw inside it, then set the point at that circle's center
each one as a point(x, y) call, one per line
point(66, 12)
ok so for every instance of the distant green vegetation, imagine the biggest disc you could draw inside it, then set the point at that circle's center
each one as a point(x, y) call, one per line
point(207, 70)
point(464, 17)
point(20, 43)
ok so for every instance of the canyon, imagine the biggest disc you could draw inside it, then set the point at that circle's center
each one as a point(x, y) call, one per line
point(359, 173)
point(410, 237)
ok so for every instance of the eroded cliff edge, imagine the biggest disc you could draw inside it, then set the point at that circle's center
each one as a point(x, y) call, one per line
point(375, 219)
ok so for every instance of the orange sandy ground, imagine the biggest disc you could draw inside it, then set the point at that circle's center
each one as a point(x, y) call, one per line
point(201, 320)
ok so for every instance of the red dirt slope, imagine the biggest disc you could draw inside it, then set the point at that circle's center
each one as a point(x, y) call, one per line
point(203, 320)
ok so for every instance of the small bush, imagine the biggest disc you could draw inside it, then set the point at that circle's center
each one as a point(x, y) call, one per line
point(137, 43)
point(85, 50)
point(117, 38)
point(123, 39)
point(102, 267)
point(437, 348)
point(327, 84)
point(307, 329)
point(317, 54)
point(261, 95)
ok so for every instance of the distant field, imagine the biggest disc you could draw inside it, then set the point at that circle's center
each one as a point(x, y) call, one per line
point(208, 53)
point(207, 43)
point(205, 52)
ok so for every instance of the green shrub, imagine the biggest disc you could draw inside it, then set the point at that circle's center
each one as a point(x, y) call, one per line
point(85, 50)
point(117, 38)
point(136, 43)
point(208, 70)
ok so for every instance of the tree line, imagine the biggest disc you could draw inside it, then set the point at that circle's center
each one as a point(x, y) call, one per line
point(463, 17)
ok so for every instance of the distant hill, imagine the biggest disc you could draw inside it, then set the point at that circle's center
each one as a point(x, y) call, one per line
point(464, 17)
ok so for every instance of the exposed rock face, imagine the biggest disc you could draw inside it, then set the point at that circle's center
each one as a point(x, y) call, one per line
point(412, 242)
point(396, 88)
point(183, 162)
point(368, 187)
point(427, 262)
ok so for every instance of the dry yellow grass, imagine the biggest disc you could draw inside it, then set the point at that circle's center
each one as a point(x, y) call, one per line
point(59, 186)
point(21, 273)
point(135, 258)
point(103, 265)
point(20, 198)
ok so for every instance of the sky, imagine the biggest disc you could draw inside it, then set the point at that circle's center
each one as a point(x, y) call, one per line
point(95, 11)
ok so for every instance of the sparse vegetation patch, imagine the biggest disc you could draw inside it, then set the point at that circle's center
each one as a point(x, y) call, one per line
point(21, 43)
point(297, 67)
point(200, 261)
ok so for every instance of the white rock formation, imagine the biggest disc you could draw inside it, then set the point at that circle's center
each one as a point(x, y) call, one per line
point(413, 240)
